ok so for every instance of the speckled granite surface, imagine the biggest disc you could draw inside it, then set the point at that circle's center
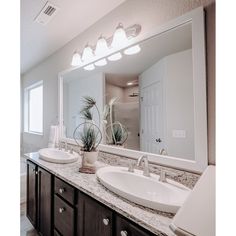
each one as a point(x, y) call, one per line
point(154, 221)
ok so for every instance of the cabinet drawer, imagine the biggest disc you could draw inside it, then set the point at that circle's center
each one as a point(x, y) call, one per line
point(63, 217)
point(64, 190)
point(126, 228)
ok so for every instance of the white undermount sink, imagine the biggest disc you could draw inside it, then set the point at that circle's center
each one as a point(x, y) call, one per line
point(57, 156)
point(146, 191)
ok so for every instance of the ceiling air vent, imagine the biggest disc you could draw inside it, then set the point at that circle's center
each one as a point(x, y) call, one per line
point(47, 13)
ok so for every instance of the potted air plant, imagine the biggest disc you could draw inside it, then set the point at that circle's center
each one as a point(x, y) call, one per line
point(118, 132)
point(88, 135)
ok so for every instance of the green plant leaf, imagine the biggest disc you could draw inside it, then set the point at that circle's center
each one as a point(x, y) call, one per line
point(86, 114)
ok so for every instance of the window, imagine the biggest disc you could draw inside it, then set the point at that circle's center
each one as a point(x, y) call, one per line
point(33, 108)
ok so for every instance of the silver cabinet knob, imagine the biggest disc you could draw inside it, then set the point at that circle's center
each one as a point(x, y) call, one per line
point(61, 190)
point(123, 233)
point(62, 209)
point(105, 221)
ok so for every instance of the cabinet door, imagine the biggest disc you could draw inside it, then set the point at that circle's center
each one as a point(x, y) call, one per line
point(126, 228)
point(44, 202)
point(32, 193)
point(94, 219)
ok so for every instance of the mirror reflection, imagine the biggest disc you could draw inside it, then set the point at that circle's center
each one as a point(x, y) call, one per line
point(145, 95)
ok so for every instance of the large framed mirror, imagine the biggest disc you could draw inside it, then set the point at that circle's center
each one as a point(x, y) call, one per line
point(157, 96)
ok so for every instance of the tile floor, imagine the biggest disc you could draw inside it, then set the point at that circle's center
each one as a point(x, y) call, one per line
point(26, 228)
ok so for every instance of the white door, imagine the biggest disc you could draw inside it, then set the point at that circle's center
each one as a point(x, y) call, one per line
point(151, 130)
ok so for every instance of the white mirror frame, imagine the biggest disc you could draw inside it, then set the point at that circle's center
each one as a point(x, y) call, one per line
point(196, 17)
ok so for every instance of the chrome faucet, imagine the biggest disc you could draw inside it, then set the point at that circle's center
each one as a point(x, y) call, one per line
point(146, 165)
point(163, 151)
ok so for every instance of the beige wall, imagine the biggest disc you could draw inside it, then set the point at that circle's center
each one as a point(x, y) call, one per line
point(114, 91)
point(148, 13)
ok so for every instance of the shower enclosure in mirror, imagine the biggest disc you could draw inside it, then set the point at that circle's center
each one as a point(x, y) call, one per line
point(152, 100)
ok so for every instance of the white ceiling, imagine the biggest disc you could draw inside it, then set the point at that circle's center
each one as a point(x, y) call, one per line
point(74, 16)
point(121, 80)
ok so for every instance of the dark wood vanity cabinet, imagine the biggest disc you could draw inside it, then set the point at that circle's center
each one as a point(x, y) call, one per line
point(56, 208)
point(31, 208)
point(44, 202)
point(93, 217)
point(39, 198)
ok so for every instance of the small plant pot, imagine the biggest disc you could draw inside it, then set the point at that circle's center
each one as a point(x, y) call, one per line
point(88, 162)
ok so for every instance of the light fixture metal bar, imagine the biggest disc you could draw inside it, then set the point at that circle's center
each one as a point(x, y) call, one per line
point(131, 32)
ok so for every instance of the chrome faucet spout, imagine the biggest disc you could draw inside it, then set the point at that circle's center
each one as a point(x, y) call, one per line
point(146, 165)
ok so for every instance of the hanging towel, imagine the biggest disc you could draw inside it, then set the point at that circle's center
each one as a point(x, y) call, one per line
point(197, 215)
point(53, 136)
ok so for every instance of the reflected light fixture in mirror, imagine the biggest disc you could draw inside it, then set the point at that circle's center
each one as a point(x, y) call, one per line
point(101, 62)
point(89, 67)
point(132, 50)
point(115, 57)
point(119, 38)
point(76, 59)
point(87, 53)
point(101, 47)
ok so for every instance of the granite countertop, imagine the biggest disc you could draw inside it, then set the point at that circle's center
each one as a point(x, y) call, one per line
point(152, 220)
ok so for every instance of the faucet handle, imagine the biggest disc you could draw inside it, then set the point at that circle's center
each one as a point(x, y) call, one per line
point(70, 148)
point(131, 166)
point(163, 176)
point(59, 145)
point(66, 146)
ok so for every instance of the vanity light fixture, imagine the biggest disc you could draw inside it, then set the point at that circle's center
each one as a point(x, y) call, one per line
point(130, 83)
point(101, 47)
point(119, 38)
point(101, 62)
point(115, 57)
point(87, 53)
point(89, 67)
point(132, 50)
point(106, 46)
point(76, 59)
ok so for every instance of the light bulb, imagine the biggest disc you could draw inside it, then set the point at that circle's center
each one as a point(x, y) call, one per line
point(101, 62)
point(76, 59)
point(132, 50)
point(101, 47)
point(115, 57)
point(89, 67)
point(87, 53)
point(119, 38)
